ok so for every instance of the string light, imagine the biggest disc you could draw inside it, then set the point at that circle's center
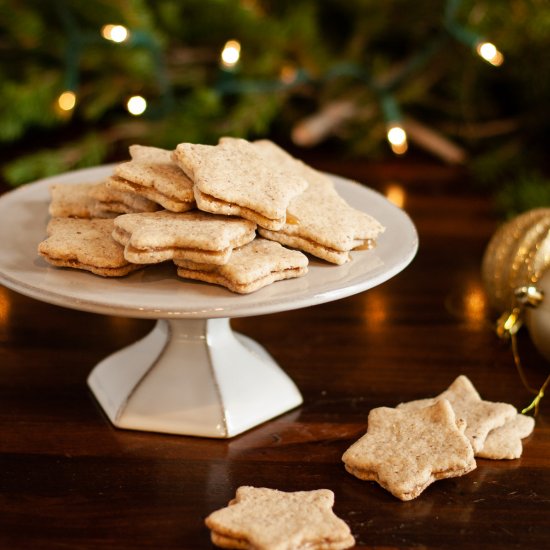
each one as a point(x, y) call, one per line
point(395, 133)
point(397, 138)
point(489, 52)
point(66, 100)
point(231, 53)
point(289, 75)
point(486, 50)
point(136, 105)
point(115, 33)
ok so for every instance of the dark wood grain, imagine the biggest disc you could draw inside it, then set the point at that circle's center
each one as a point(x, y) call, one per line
point(68, 479)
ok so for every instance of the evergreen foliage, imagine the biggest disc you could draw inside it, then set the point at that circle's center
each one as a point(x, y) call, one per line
point(298, 57)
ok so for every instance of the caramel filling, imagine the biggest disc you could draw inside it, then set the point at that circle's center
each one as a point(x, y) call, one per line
point(292, 220)
point(243, 209)
point(369, 244)
point(190, 250)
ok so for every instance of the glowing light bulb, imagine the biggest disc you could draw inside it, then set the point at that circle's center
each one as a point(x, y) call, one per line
point(115, 33)
point(136, 105)
point(67, 101)
point(489, 52)
point(231, 53)
point(397, 138)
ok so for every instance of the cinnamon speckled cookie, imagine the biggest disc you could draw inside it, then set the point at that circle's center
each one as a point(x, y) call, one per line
point(481, 416)
point(110, 202)
point(72, 200)
point(153, 174)
point(85, 244)
point(146, 153)
point(197, 236)
point(250, 267)
point(268, 519)
point(405, 451)
point(505, 442)
point(319, 220)
point(233, 178)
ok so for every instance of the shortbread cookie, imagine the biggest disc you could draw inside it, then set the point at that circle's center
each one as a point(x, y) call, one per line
point(197, 236)
point(72, 200)
point(481, 416)
point(174, 205)
point(261, 518)
point(110, 202)
point(320, 221)
point(146, 153)
point(405, 451)
point(233, 178)
point(250, 267)
point(85, 244)
point(153, 174)
point(505, 442)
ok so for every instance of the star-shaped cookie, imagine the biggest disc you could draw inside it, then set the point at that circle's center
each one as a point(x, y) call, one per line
point(249, 268)
point(85, 244)
point(154, 237)
point(481, 416)
point(233, 178)
point(72, 200)
point(505, 442)
point(268, 519)
point(111, 202)
point(154, 175)
point(319, 220)
point(405, 451)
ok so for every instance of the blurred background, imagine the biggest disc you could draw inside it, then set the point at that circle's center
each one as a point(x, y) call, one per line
point(456, 83)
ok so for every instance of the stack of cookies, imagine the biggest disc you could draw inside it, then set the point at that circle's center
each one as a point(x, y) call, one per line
point(238, 214)
point(409, 447)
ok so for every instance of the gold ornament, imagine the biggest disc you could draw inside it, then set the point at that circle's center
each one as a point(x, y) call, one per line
point(516, 275)
point(516, 256)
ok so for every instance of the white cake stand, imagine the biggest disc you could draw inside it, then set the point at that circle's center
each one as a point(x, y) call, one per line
point(192, 374)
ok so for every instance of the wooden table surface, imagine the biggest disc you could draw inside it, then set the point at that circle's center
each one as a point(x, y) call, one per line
point(68, 479)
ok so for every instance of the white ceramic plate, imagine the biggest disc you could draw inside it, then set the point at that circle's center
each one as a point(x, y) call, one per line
point(157, 292)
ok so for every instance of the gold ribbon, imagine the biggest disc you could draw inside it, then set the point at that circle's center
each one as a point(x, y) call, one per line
point(507, 327)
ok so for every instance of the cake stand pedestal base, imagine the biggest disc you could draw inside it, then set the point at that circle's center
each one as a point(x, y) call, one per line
point(192, 377)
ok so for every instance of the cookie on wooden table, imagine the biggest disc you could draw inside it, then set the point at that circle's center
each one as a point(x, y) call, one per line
point(405, 450)
point(481, 416)
point(85, 244)
point(505, 442)
point(233, 178)
point(250, 267)
point(269, 519)
point(154, 237)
